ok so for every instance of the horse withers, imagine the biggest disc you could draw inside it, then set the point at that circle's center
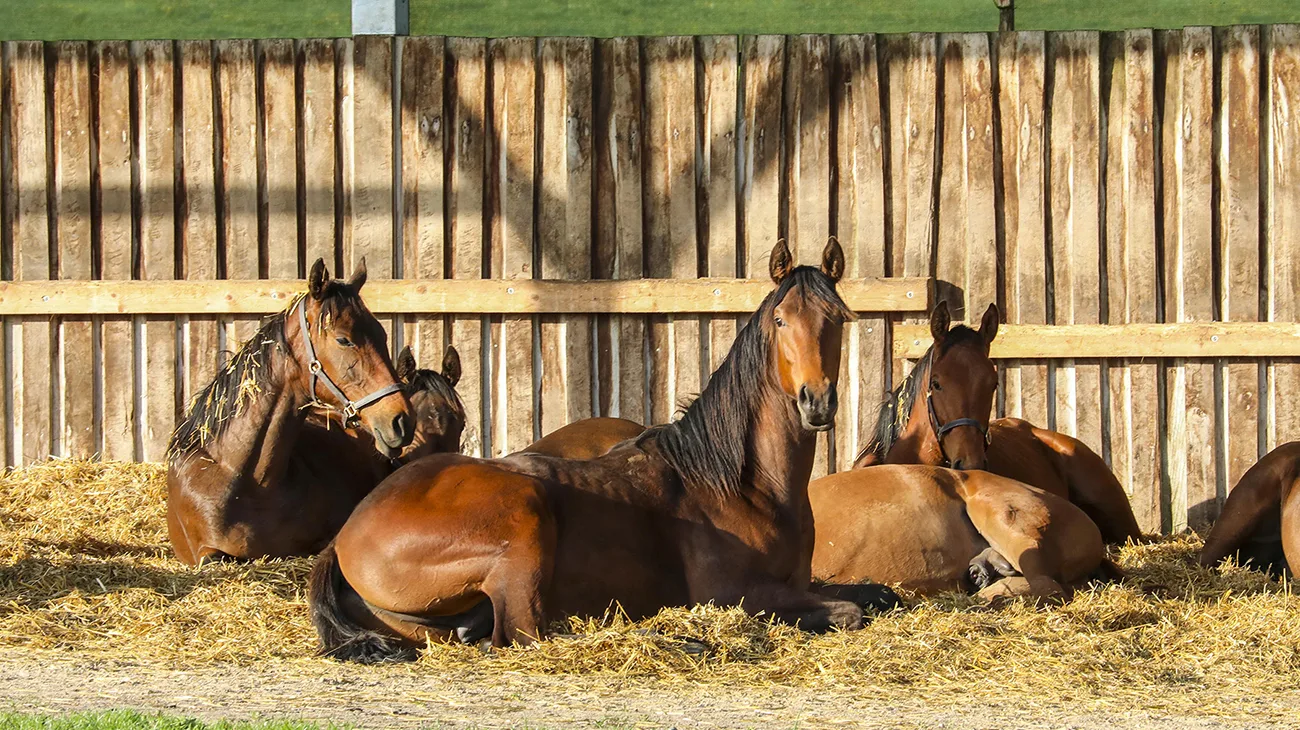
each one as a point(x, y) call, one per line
point(713, 507)
point(240, 483)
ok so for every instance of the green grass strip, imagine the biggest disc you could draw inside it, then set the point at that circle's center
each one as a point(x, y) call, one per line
point(54, 20)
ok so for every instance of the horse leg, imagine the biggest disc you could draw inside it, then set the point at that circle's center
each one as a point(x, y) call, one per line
point(1093, 487)
point(519, 579)
point(809, 611)
point(1250, 525)
point(988, 567)
point(867, 596)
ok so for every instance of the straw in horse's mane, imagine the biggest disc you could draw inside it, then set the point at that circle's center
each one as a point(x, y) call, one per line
point(706, 447)
point(245, 376)
point(896, 409)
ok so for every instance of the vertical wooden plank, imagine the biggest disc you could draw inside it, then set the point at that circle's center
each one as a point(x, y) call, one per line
point(113, 86)
point(1189, 270)
point(1021, 104)
point(237, 98)
point(1283, 228)
point(72, 229)
point(279, 197)
point(318, 140)
point(564, 224)
point(8, 206)
point(764, 69)
point(32, 354)
point(1131, 255)
point(371, 168)
point(1074, 188)
point(467, 89)
point(670, 216)
point(860, 227)
point(156, 172)
point(966, 257)
point(198, 217)
point(1239, 243)
point(511, 179)
point(618, 214)
point(423, 158)
point(808, 170)
point(717, 193)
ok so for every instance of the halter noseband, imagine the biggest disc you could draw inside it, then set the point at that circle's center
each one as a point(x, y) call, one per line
point(941, 430)
point(351, 409)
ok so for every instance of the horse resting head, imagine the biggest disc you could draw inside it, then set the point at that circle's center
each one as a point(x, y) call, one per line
point(962, 383)
point(439, 413)
point(352, 348)
point(807, 341)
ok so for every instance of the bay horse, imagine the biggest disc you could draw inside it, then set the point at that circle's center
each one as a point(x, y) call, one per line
point(1260, 522)
point(712, 507)
point(239, 483)
point(940, 416)
point(929, 529)
point(586, 438)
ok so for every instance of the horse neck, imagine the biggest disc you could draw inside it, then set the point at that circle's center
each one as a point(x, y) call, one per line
point(779, 453)
point(917, 444)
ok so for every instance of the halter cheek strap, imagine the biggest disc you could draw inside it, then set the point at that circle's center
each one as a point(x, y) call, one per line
point(351, 408)
point(942, 430)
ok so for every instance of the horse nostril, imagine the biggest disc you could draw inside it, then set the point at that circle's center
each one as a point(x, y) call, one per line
point(959, 465)
point(401, 426)
point(804, 395)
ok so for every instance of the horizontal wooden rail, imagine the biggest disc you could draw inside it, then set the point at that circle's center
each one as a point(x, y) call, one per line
point(443, 296)
point(1183, 339)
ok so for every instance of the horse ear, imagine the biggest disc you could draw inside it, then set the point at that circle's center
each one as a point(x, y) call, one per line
point(781, 263)
point(406, 365)
point(939, 321)
point(451, 365)
point(989, 325)
point(833, 259)
point(358, 279)
point(317, 279)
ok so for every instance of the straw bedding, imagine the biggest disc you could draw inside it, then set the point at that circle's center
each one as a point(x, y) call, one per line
point(85, 569)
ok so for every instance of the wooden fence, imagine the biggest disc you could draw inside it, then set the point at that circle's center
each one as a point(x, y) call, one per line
point(1116, 193)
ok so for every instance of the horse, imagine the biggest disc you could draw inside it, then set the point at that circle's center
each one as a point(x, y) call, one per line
point(586, 438)
point(1260, 522)
point(712, 507)
point(239, 482)
point(939, 416)
point(963, 529)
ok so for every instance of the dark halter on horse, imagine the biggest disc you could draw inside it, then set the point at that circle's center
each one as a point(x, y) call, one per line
point(941, 430)
point(351, 408)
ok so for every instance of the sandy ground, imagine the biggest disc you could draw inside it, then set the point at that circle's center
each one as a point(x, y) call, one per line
point(399, 698)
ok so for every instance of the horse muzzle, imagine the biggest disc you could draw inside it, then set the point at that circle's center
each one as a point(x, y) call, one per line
point(392, 437)
point(817, 410)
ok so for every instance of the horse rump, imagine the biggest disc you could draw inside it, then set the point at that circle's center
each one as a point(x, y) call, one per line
point(341, 637)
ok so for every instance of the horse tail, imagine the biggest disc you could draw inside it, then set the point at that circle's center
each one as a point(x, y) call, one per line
point(342, 637)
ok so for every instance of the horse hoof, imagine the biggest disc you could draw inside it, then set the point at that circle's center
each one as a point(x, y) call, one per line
point(979, 576)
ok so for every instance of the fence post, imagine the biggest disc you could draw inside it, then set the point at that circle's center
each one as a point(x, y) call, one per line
point(381, 17)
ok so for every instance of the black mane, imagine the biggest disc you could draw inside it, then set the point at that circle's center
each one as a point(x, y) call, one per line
point(707, 446)
point(435, 381)
point(896, 409)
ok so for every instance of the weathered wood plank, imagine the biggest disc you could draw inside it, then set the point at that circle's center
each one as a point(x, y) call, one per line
point(156, 167)
point(423, 158)
point(618, 214)
point(760, 192)
point(860, 227)
point(564, 224)
point(1135, 432)
point(466, 107)
point(237, 100)
point(1188, 147)
point(279, 159)
point(1192, 340)
point(1283, 225)
point(8, 206)
point(198, 229)
point(71, 185)
point(371, 168)
point(1238, 182)
point(511, 180)
point(113, 216)
point(318, 149)
point(670, 215)
point(716, 197)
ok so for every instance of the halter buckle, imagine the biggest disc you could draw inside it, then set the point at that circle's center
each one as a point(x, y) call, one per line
point(315, 367)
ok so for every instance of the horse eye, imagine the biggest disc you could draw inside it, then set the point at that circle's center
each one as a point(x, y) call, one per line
point(934, 385)
point(343, 341)
point(780, 322)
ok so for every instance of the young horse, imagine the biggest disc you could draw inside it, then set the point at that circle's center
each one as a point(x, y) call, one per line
point(1260, 523)
point(713, 507)
point(585, 439)
point(939, 415)
point(962, 528)
point(237, 485)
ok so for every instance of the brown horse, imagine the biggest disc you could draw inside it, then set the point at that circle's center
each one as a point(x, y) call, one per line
point(939, 415)
point(239, 483)
point(713, 507)
point(585, 439)
point(930, 529)
point(1260, 523)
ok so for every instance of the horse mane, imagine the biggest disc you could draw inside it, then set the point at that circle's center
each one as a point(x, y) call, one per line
point(435, 381)
point(896, 410)
point(246, 376)
point(707, 446)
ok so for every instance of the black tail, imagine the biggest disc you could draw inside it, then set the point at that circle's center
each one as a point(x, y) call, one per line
point(340, 636)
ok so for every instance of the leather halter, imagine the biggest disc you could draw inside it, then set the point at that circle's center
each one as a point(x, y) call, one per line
point(351, 408)
point(941, 430)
